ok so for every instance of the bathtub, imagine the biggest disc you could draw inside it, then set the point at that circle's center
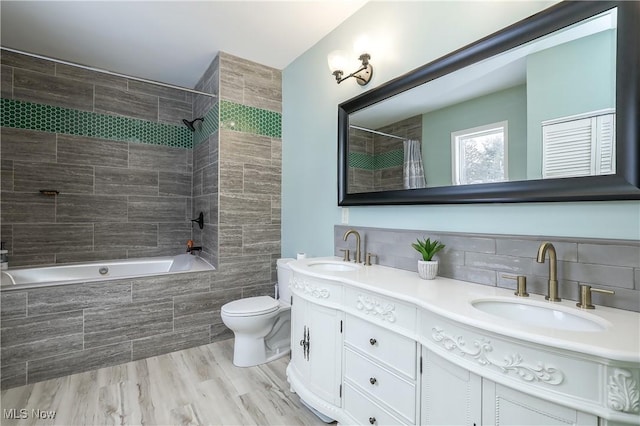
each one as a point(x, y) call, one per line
point(100, 271)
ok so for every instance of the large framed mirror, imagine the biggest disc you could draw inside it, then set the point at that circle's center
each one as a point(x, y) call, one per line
point(547, 109)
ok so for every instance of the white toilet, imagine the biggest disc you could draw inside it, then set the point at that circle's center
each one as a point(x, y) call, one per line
point(262, 324)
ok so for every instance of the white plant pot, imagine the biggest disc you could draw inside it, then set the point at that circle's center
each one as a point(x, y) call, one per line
point(427, 269)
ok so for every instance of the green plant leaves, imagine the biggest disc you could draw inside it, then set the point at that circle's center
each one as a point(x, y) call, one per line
point(428, 248)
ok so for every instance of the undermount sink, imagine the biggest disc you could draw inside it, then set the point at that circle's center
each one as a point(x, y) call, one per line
point(540, 315)
point(333, 266)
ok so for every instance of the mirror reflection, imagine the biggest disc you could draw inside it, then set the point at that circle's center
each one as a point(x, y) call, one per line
point(543, 110)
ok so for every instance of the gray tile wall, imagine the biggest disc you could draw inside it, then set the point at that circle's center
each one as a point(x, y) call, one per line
point(117, 199)
point(205, 196)
point(136, 193)
point(55, 331)
point(248, 83)
point(484, 259)
point(360, 180)
point(205, 168)
point(250, 172)
point(26, 78)
point(389, 178)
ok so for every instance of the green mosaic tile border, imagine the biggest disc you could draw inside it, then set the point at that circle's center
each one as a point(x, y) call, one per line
point(388, 159)
point(209, 125)
point(47, 118)
point(385, 160)
point(359, 160)
point(242, 118)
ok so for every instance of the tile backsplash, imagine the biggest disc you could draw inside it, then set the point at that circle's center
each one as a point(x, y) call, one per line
point(486, 258)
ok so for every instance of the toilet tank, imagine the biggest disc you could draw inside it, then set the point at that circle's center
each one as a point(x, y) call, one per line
point(284, 275)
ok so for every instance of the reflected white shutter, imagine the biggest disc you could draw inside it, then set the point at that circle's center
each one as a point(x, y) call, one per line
point(579, 147)
point(606, 144)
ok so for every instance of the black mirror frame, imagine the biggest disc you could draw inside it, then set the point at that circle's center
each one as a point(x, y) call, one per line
point(624, 185)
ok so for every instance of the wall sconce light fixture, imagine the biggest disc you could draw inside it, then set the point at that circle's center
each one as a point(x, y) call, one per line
point(337, 61)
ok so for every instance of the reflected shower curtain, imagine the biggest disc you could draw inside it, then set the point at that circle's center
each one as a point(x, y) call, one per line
point(412, 170)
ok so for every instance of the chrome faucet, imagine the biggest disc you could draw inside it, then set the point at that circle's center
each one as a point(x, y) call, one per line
point(553, 269)
point(358, 258)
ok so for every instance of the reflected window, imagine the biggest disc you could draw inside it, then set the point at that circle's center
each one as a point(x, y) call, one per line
point(480, 154)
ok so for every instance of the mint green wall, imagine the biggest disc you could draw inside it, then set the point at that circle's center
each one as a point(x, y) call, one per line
point(509, 105)
point(409, 34)
point(573, 78)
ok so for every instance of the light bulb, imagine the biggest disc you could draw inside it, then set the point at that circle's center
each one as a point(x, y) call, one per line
point(362, 45)
point(337, 60)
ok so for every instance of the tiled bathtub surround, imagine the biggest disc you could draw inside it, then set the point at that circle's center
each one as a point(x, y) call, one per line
point(117, 199)
point(484, 259)
point(375, 161)
point(55, 331)
point(250, 174)
point(112, 188)
point(205, 183)
point(40, 81)
point(123, 198)
point(114, 148)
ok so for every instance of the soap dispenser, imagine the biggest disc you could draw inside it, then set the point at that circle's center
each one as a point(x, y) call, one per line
point(4, 257)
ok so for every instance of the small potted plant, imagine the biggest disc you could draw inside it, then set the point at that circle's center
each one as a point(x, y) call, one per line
point(427, 267)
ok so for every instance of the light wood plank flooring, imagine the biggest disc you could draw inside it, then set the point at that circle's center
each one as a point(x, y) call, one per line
point(194, 386)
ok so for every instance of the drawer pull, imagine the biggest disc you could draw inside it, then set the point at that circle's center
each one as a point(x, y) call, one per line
point(373, 341)
point(372, 420)
point(373, 380)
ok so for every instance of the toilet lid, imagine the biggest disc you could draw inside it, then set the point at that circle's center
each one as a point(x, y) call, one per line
point(251, 306)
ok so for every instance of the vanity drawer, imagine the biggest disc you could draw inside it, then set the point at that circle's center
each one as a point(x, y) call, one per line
point(379, 383)
point(381, 310)
point(366, 412)
point(392, 349)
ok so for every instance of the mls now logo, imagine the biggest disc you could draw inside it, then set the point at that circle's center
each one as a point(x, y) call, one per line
point(14, 413)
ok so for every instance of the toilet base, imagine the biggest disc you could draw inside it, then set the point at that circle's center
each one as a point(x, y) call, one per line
point(250, 351)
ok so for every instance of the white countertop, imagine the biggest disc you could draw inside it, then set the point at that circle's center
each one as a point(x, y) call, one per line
point(450, 298)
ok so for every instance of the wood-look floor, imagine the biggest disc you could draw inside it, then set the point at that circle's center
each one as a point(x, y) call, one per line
point(194, 386)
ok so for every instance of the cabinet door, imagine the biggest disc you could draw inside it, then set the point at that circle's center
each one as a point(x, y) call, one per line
point(451, 395)
point(298, 328)
point(325, 344)
point(504, 406)
point(320, 363)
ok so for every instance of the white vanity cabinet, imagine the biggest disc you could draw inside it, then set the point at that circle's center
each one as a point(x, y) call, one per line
point(379, 371)
point(505, 406)
point(451, 395)
point(315, 348)
point(379, 346)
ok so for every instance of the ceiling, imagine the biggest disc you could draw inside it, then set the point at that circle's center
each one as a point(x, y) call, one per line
point(169, 41)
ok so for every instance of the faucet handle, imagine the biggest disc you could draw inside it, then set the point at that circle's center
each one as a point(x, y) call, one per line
point(346, 256)
point(584, 301)
point(521, 289)
point(368, 258)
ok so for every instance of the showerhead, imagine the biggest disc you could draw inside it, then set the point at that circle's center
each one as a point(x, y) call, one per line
point(190, 124)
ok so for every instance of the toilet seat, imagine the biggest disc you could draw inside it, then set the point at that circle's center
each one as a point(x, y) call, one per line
point(251, 306)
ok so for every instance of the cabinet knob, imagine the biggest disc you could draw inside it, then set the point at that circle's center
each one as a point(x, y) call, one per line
point(372, 420)
point(373, 341)
point(302, 343)
point(373, 380)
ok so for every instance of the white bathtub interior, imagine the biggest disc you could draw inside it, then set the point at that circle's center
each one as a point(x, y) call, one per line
point(97, 271)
